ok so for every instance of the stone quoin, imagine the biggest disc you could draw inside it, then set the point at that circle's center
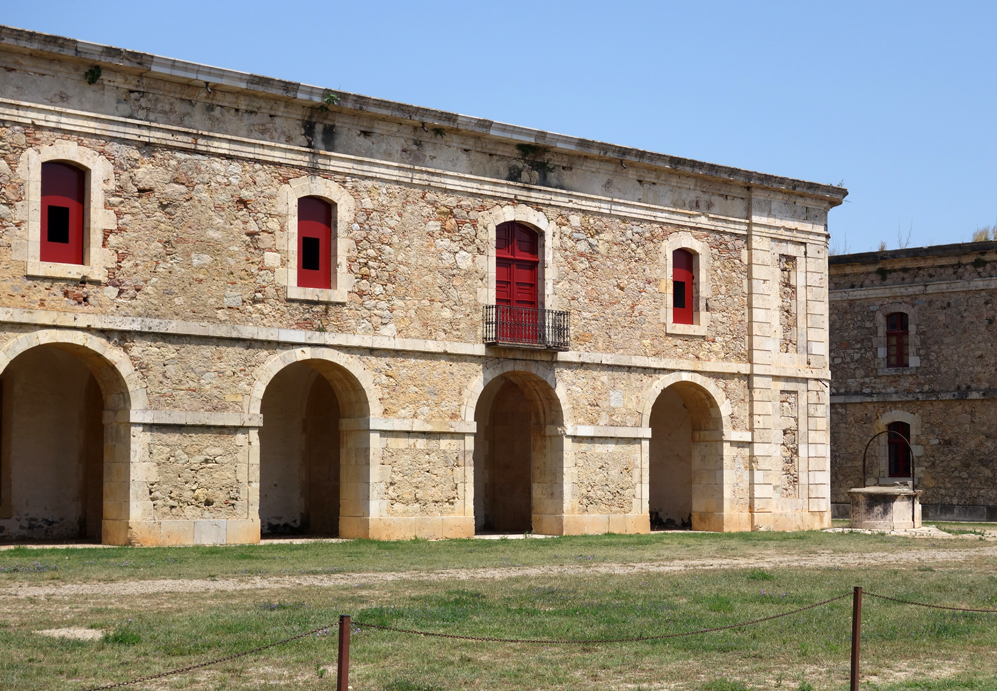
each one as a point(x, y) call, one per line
point(305, 311)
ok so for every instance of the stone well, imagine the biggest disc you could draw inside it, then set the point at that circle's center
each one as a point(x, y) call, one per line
point(894, 507)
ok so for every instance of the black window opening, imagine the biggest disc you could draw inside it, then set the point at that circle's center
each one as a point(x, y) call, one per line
point(58, 224)
point(678, 293)
point(899, 449)
point(310, 253)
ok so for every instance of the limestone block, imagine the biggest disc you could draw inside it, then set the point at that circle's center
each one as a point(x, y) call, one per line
point(209, 532)
point(176, 533)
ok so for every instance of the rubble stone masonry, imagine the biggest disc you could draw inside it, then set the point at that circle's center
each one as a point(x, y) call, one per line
point(236, 402)
point(947, 391)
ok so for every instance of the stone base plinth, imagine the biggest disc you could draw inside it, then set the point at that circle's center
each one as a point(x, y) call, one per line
point(885, 508)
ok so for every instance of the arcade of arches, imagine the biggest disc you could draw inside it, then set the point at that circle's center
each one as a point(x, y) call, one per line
point(321, 462)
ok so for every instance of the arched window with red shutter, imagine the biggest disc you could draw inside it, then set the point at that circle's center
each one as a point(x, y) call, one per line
point(899, 449)
point(517, 273)
point(315, 248)
point(683, 278)
point(63, 195)
point(897, 340)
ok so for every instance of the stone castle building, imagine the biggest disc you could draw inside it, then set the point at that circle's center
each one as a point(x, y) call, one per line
point(233, 305)
point(913, 352)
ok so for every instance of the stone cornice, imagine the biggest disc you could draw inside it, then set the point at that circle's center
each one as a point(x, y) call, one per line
point(198, 141)
point(170, 69)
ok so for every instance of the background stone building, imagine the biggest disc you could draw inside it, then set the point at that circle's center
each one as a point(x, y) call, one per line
point(233, 304)
point(913, 349)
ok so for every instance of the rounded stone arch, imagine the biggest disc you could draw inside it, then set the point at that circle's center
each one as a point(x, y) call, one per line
point(353, 384)
point(553, 399)
point(709, 403)
point(121, 384)
point(883, 422)
point(122, 390)
point(536, 220)
point(687, 477)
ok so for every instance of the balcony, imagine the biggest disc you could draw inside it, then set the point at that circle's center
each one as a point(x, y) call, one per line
point(526, 327)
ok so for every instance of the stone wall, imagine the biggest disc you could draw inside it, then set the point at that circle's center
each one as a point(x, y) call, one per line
point(224, 384)
point(948, 293)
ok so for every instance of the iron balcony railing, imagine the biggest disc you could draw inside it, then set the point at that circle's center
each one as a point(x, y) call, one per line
point(527, 327)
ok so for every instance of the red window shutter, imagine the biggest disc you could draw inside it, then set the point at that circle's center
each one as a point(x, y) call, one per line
point(897, 340)
point(63, 193)
point(899, 450)
point(314, 243)
point(517, 266)
point(682, 280)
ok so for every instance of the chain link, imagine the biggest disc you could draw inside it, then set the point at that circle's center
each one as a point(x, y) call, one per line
point(924, 604)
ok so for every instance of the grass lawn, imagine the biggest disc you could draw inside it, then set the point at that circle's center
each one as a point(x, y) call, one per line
point(163, 608)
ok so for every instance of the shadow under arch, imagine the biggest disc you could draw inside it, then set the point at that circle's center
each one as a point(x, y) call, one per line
point(689, 417)
point(66, 452)
point(313, 454)
point(518, 466)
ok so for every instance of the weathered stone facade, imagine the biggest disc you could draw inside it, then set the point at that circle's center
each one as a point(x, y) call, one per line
point(235, 401)
point(945, 393)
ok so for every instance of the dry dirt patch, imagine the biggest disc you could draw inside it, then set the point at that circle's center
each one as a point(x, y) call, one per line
point(74, 634)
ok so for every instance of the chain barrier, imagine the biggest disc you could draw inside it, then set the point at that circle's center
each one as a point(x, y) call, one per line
point(925, 604)
point(212, 662)
point(360, 625)
point(534, 641)
point(592, 641)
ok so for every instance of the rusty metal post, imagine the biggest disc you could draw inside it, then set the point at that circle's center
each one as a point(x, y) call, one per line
point(343, 665)
point(856, 636)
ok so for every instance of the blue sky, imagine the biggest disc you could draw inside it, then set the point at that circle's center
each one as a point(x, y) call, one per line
point(896, 100)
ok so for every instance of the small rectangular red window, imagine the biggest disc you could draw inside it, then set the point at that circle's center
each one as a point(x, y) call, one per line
point(314, 243)
point(682, 279)
point(63, 193)
point(897, 341)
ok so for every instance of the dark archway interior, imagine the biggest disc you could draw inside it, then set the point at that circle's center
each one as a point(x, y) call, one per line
point(503, 459)
point(300, 447)
point(51, 448)
point(670, 463)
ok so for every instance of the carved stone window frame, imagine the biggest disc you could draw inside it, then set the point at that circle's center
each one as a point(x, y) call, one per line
point(701, 280)
point(96, 219)
point(881, 425)
point(343, 217)
point(914, 343)
point(490, 220)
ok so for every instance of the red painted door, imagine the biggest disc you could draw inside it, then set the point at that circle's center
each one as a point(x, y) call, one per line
point(62, 213)
point(517, 269)
point(682, 278)
point(314, 243)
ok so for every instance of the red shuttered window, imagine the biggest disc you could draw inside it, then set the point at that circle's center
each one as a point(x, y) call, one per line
point(517, 264)
point(682, 280)
point(314, 243)
point(897, 340)
point(517, 271)
point(899, 449)
point(63, 194)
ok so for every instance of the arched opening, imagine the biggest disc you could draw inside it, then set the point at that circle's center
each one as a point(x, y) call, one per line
point(518, 456)
point(685, 460)
point(64, 470)
point(306, 456)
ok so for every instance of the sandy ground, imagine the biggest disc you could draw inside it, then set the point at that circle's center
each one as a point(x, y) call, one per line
point(828, 559)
